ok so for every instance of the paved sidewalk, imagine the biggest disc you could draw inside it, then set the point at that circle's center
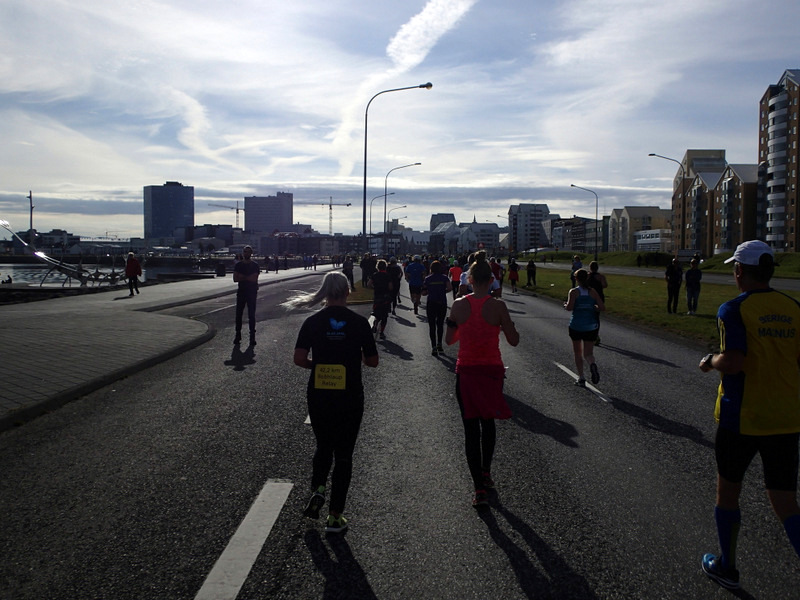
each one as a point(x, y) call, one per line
point(53, 351)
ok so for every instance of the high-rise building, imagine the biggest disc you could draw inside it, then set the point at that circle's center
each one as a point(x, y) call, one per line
point(168, 210)
point(525, 228)
point(266, 214)
point(777, 149)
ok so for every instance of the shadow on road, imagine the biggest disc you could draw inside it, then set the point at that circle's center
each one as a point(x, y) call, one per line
point(651, 420)
point(344, 577)
point(531, 419)
point(559, 581)
point(638, 356)
point(240, 360)
point(389, 347)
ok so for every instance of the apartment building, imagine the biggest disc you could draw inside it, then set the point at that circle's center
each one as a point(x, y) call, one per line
point(525, 226)
point(736, 206)
point(777, 151)
point(625, 222)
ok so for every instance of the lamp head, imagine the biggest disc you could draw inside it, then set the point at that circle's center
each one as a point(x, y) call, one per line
point(652, 154)
point(427, 86)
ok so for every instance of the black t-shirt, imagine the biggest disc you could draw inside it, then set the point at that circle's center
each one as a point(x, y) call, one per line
point(247, 268)
point(381, 281)
point(337, 337)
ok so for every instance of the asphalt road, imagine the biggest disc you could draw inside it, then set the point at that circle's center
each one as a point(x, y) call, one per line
point(136, 490)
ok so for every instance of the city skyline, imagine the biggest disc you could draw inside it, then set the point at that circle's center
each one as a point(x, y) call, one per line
point(101, 99)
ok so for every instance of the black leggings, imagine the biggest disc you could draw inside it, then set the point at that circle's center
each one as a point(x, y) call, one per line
point(336, 439)
point(436, 312)
point(480, 436)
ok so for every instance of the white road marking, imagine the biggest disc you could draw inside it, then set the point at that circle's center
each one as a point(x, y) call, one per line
point(234, 564)
point(589, 386)
point(308, 420)
point(216, 310)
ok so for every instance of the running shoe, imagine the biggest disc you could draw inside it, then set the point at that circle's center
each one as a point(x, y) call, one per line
point(481, 498)
point(727, 578)
point(439, 349)
point(434, 352)
point(237, 339)
point(315, 503)
point(488, 482)
point(336, 524)
point(595, 373)
point(581, 382)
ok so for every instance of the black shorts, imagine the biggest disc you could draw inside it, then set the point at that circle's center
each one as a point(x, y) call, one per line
point(414, 289)
point(582, 336)
point(779, 455)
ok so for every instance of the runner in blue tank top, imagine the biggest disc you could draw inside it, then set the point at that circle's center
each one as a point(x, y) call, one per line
point(584, 302)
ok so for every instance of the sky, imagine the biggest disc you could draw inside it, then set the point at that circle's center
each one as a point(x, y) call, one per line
point(99, 98)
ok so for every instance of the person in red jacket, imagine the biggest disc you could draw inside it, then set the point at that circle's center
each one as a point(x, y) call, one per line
point(132, 271)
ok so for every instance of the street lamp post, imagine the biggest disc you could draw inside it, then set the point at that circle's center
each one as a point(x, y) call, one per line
point(681, 225)
point(385, 225)
point(596, 216)
point(385, 187)
point(426, 86)
point(370, 210)
point(510, 236)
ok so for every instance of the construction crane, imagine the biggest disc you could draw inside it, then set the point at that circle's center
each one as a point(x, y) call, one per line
point(330, 204)
point(236, 208)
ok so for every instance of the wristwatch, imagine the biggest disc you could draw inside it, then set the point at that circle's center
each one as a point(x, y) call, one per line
point(706, 362)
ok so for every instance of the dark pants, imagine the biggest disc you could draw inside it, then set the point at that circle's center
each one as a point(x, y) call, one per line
point(480, 436)
point(531, 278)
point(248, 299)
point(436, 312)
point(349, 275)
point(692, 295)
point(336, 436)
point(673, 291)
point(133, 284)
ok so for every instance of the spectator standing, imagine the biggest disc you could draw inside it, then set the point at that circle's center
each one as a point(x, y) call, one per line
point(133, 269)
point(530, 270)
point(757, 408)
point(245, 273)
point(338, 341)
point(598, 282)
point(513, 274)
point(673, 276)
point(347, 269)
point(693, 277)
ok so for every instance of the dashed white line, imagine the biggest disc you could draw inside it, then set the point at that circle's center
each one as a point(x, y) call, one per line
point(234, 564)
point(589, 386)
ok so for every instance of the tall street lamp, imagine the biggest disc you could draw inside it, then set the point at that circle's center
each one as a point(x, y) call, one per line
point(385, 187)
point(370, 210)
point(681, 225)
point(596, 216)
point(426, 86)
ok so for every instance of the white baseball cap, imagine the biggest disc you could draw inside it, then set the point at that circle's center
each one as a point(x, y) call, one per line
point(748, 253)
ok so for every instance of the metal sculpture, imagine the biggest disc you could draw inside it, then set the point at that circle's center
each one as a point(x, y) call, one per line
point(70, 271)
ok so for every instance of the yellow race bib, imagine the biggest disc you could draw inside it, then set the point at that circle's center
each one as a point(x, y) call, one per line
point(330, 377)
